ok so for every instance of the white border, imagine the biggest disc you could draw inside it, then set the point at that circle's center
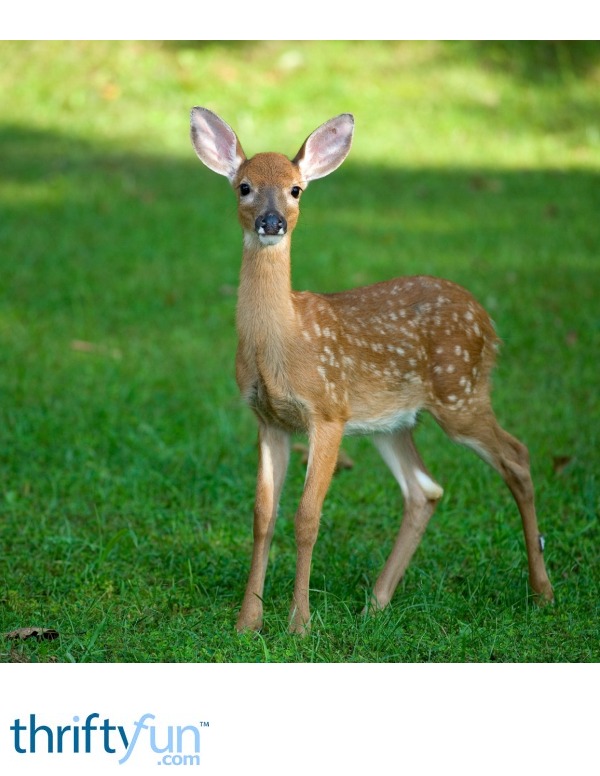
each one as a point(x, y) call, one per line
point(322, 719)
point(309, 20)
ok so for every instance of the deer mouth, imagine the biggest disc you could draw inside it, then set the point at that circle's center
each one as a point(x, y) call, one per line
point(270, 239)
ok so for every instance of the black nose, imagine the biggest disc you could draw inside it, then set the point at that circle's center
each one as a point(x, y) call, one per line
point(271, 223)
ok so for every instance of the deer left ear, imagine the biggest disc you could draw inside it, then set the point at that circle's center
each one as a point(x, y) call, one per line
point(326, 148)
point(216, 143)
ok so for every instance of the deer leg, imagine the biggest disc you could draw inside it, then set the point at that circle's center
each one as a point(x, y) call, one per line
point(421, 495)
point(273, 456)
point(510, 458)
point(324, 442)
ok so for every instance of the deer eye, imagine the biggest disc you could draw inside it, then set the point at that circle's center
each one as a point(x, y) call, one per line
point(295, 192)
point(244, 189)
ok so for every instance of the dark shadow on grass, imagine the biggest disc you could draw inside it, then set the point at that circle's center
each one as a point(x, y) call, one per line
point(98, 204)
point(542, 62)
point(211, 44)
point(538, 61)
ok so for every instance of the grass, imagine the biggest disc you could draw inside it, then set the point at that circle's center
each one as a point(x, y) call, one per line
point(127, 461)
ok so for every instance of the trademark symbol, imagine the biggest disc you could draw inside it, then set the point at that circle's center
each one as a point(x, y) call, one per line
point(204, 724)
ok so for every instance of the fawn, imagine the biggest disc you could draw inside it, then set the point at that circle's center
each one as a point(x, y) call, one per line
point(364, 361)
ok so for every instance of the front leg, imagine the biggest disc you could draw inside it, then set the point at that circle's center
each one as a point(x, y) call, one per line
point(273, 457)
point(324, 442)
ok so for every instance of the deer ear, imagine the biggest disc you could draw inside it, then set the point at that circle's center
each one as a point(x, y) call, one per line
point(326, 148)
point(216, 143)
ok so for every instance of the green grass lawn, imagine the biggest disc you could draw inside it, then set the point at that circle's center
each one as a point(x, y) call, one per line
point(127, 460)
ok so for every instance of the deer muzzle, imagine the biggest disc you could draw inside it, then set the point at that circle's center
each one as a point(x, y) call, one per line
point(271, 224)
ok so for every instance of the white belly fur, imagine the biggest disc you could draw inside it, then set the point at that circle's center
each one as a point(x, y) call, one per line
point(395, 421)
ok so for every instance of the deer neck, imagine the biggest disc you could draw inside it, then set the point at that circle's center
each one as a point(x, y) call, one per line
point(266, 318)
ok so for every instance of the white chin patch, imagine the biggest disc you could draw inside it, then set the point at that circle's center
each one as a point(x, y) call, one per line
point(270, 239)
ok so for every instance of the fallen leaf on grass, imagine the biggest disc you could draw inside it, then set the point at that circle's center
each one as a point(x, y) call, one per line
point(41, 634)
point(82, 346)
point(572, 338)
point(110, 92)
point(483, 183)
point(343, 462)
point(18, 657)
point(560, 463)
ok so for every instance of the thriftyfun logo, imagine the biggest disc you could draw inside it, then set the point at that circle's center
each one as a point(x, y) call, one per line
point(176, 744)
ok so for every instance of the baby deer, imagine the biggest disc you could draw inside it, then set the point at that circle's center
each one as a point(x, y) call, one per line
point(365, 361)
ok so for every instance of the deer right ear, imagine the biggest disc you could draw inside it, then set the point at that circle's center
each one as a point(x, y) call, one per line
point(216, 143)
point(326, 148)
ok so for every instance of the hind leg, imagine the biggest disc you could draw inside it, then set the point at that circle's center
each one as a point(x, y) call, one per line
point(421, 495)
point(510, 458)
